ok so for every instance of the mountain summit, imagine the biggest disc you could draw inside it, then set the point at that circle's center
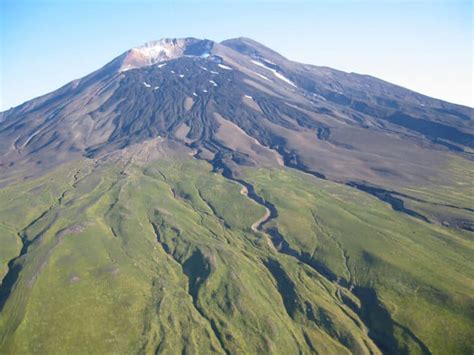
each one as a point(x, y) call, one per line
point(165, 49)
point(197, 197)
point(174, 86)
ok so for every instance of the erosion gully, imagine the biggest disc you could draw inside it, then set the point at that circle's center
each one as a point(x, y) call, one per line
point(370, 303)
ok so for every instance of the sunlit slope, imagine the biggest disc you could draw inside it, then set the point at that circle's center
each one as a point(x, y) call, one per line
point(166, 256)
point(421, 273)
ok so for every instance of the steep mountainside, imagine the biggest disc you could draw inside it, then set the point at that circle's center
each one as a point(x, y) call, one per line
point(198, 196)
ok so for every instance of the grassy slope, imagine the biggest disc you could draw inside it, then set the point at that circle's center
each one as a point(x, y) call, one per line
point(127, 258)
point(420, 271)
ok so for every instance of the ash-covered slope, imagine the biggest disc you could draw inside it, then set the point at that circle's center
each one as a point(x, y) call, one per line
point(239, 103)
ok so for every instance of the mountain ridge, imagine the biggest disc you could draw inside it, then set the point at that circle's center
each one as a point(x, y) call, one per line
point(322, 100)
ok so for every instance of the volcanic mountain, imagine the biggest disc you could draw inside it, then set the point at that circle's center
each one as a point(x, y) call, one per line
point(193, 196)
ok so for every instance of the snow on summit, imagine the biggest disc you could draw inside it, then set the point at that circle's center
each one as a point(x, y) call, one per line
point(153, 52)
point(163, 50)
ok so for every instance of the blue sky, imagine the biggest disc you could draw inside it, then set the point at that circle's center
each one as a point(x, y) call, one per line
point(422, 45)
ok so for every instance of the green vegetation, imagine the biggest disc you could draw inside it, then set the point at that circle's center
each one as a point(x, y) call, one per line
point(125, 257)
point(420, 271)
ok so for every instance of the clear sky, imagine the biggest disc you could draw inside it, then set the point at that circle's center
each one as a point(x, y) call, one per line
point(422, 45)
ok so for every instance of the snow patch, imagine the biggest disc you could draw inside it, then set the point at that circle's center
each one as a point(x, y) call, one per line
point(194, 94)
point(262, 76)
point(267, 61)
point(146, 84)
point(161, 65)
point(214, 72)
point(277, 74)
point(181, 75)
point(248, 97)
point(224, 67)
point(213, 82)
point(128, 67)
point(319, 96)
point(285, 79)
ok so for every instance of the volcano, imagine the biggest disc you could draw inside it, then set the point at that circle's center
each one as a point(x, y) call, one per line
point(197, 197)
